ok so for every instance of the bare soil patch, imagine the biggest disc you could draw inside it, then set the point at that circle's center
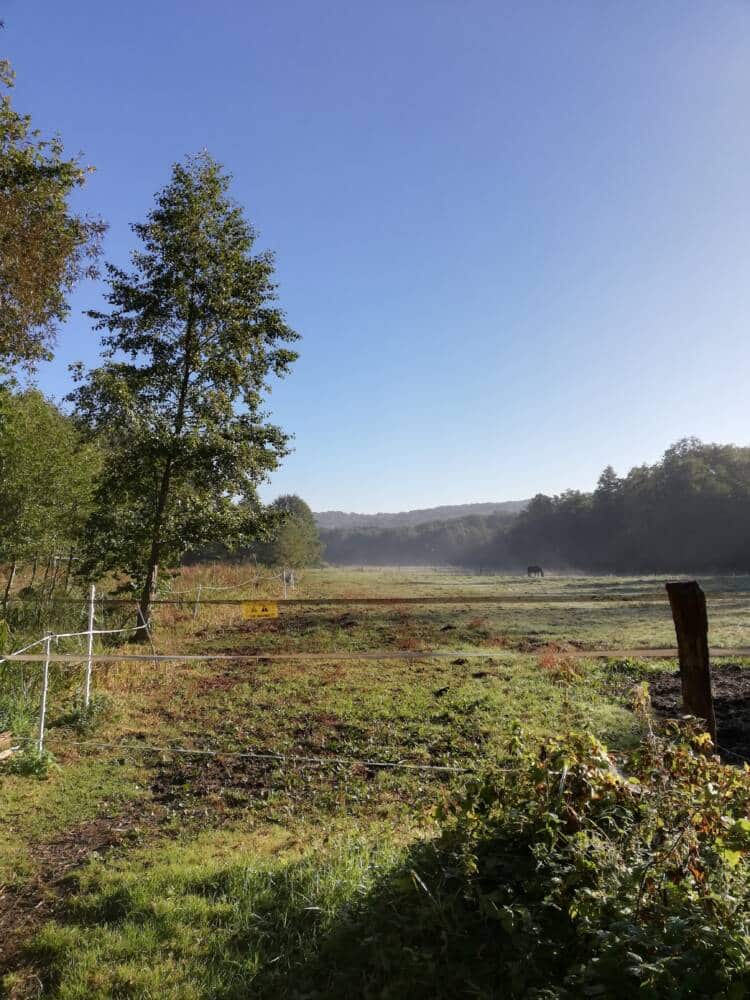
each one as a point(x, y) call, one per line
point(731, 691)
point(211, 787)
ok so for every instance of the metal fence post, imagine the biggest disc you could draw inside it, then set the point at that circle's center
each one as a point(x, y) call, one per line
point(90, 651)
point(45, 688)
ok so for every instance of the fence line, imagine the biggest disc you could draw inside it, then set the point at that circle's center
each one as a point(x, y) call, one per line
point(436, 599)
point(666, 653)
point(36, 642)
point(286, 577)
point(48, 657)
point(258, 755)
point(45, 689)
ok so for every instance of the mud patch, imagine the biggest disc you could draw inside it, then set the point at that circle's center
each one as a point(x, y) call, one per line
point(212, 787)
point(731, 691)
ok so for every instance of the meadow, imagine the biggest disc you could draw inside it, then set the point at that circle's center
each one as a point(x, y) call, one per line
point(130, 870)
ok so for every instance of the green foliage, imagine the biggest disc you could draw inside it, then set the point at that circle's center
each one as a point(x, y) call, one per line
point(46, 248)
point(475, 540)
point(559, 874)
point(46, 478)
point(637, 523)
point(31, 763)
point(295, 540)
point(598, 878)
point(84, 719)
point(192, 340)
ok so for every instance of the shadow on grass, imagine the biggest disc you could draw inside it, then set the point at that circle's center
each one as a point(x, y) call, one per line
point(351, 925)
point(414, 934)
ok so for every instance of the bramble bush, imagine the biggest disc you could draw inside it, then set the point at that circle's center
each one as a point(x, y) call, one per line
point(609, 879)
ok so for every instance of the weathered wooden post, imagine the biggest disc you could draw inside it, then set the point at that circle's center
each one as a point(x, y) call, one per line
point(688, 604)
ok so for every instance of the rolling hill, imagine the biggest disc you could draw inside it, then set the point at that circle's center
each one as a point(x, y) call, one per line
point(332, 520)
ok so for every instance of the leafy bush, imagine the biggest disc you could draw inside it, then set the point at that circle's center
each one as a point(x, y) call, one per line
point(31, 763)
point(85, 718)
point(610, 880)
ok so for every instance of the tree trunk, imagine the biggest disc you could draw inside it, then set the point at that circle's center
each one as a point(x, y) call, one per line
point(46, 575)
point(143, 616)
point(43, 592)
point(68, 570)
point(152, 569)
point(11, 578)
point(54, 577)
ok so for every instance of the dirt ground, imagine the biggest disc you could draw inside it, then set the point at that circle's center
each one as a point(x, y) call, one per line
point(731, 691)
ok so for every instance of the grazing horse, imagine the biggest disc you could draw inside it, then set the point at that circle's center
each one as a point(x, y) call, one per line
point(535, 571)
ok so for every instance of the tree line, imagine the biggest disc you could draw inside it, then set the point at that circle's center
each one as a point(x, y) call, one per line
point(467, 541)
point(689, 512)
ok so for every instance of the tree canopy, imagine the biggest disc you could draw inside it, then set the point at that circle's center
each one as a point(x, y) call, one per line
point(46, 247)
point(191, 341)
point(688, 512)
point(46, 478)
point(295, 541)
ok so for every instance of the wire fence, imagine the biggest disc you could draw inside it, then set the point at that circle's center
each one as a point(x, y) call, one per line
point(378, 655)
point(184, 598)
point(48, 657)
point(286, 576)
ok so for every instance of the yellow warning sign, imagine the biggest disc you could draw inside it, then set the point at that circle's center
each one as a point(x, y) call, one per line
point(260, 609)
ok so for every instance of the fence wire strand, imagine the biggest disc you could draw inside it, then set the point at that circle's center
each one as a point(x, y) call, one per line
point(266, 756)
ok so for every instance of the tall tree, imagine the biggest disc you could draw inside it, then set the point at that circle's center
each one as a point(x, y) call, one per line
point(191, 341)
point(44, 247)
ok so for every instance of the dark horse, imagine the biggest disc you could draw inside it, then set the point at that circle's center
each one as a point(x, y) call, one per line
point(535, 571)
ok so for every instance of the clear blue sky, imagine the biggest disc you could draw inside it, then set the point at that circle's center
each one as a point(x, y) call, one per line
point(515, 236)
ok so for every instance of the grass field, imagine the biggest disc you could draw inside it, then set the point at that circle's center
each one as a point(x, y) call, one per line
point(130, 872)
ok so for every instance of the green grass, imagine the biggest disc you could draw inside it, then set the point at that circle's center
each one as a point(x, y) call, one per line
point(33, 812)
point(186, 927)
point(242, 873)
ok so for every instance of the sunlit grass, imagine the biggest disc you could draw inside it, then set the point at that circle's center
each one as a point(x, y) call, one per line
point(243, 868)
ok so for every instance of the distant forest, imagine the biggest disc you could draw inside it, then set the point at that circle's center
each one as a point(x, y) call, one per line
point(689, 512)
point(335, 519)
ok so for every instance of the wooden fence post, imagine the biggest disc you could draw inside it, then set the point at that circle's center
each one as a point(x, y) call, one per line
point(688, 604)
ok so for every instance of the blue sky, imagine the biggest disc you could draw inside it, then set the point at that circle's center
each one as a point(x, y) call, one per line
point(515, 236)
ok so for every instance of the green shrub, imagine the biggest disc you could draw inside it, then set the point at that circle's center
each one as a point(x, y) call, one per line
point(32, 763)
point(607, 879)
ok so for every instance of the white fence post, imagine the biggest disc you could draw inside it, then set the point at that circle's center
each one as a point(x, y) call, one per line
point(45, 687)
point(283, 577)
point(90, 651)
point(197, 601)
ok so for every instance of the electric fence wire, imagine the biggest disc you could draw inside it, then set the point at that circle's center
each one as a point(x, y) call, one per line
point(270, 756)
